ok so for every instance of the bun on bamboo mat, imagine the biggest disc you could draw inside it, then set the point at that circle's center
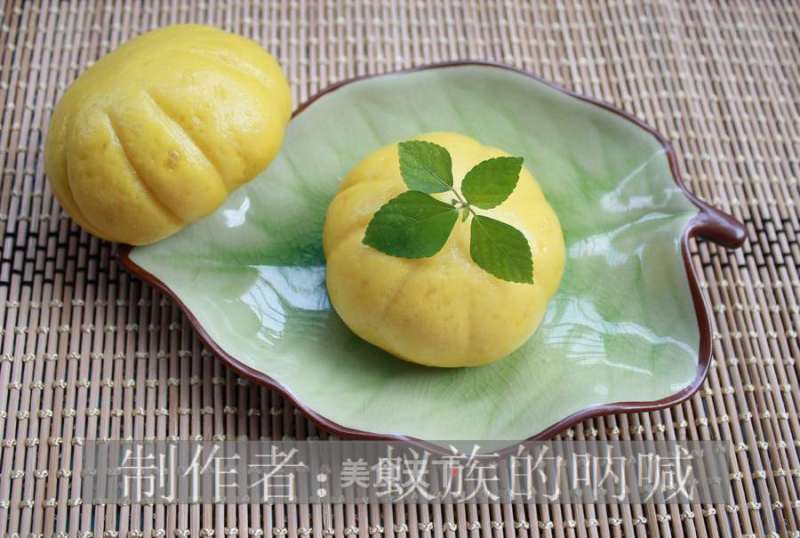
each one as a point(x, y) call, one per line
point(91, 352)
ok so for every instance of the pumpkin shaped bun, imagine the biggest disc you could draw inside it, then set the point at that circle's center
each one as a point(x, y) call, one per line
point(442, 310)
point(157, 133)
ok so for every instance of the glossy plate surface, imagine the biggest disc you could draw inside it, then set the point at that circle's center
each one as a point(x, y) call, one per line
point(626, 331)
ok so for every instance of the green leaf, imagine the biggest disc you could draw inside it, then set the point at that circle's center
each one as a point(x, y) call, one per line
point(412, 225)
point(501, 250)
point(490, 182)
point(425, 167)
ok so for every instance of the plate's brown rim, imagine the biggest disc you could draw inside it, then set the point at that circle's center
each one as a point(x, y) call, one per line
point(709, 223)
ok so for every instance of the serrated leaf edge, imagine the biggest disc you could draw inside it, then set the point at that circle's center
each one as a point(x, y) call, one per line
point(516, 181)
point(527, 243)
point(447, 186)
point(388, 202)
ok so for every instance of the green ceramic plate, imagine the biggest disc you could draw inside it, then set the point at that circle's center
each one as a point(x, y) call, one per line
point(628, 329)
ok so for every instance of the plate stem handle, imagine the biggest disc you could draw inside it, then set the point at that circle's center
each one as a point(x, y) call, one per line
point(719, 227)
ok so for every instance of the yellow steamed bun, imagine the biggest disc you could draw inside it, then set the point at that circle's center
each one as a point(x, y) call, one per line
point(443, 310)
point(157, 133)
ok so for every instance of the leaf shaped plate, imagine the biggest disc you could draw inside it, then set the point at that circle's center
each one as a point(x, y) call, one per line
point(627, 331)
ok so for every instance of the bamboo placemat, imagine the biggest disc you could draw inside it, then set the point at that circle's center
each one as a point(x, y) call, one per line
point(89, 352)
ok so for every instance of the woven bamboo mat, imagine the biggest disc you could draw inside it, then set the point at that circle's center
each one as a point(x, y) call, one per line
point(90, 352)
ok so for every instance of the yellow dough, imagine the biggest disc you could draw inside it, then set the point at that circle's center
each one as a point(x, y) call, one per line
point(157, 133)
point(443, 310)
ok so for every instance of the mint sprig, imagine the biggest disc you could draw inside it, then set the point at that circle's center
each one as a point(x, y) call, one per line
point(417, 225)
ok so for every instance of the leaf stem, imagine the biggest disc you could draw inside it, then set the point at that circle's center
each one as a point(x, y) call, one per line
point(461, 203)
